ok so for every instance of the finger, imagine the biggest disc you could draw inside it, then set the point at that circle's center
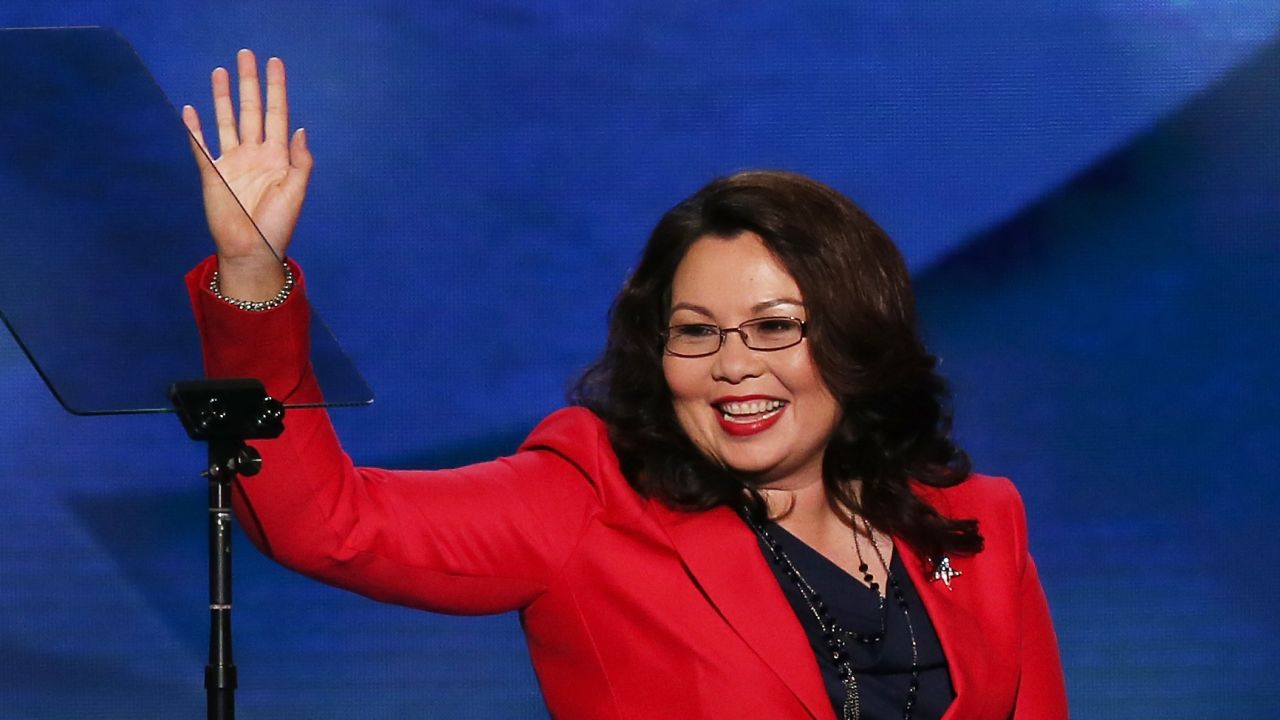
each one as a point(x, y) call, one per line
point(250, 97)
point(191, 119)
point(301, 163)
point(223, 113)
point(277, 103)
point(198, 147)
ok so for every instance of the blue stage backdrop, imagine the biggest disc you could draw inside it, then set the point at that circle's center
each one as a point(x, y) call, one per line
point(1087, 194)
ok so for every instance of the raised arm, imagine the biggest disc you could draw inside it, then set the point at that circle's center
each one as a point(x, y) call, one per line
point(484, 538)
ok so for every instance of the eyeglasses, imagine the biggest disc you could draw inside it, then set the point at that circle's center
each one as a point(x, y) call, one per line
point(766, 334)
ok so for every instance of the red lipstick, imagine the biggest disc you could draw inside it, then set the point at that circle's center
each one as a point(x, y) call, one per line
point(752, 423)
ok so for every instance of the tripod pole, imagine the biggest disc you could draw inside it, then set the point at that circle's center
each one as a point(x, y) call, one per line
point(220, 673)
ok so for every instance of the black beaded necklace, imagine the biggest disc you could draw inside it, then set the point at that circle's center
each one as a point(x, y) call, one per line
point(834, 636)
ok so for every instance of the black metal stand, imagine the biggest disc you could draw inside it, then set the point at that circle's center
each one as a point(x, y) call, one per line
point(224, 413)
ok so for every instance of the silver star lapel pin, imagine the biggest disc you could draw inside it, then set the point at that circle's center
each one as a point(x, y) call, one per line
point(943, 571)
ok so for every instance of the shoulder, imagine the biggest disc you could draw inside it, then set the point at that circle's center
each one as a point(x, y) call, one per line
point(993, 501)
point(573, 430)
point(581, 438)
point(573, 422)
point(975, 493)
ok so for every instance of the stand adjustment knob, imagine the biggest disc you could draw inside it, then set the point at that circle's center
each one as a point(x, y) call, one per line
point(246, 462)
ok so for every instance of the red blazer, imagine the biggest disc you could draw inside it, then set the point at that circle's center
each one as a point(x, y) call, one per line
point(631, 609)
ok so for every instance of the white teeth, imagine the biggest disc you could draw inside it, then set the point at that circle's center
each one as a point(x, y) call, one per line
point(754, 407)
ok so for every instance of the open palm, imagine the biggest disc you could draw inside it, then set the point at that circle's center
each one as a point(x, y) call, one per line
point(265, 169)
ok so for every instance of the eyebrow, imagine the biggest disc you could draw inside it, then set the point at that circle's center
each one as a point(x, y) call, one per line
point(757, 308)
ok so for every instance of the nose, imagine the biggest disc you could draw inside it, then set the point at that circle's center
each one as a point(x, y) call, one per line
point(736, 362)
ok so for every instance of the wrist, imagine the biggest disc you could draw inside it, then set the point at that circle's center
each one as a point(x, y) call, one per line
point(262, 291)
point(254, 278)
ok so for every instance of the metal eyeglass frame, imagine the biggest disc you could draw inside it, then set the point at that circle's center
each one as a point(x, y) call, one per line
point(746, 338)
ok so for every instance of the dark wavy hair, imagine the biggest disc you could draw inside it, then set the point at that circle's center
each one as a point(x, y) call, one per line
point(862, 334)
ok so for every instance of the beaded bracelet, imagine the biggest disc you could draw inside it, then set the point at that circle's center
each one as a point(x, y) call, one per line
point(255, 305)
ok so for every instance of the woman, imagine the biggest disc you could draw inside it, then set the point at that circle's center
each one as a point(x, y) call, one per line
point(755, 510)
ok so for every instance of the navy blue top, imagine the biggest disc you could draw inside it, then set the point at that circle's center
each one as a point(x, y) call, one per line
point(883, 669)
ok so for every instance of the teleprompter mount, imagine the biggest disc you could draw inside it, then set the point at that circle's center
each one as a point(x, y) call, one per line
point(225, 414)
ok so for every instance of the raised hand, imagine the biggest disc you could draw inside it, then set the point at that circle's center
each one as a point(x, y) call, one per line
point(265, 168)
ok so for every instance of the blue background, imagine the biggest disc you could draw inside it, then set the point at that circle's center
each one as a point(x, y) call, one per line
point(1087, 197)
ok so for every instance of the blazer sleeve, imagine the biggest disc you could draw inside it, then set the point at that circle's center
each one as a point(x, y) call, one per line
point(479, 539)
point(1042, 693)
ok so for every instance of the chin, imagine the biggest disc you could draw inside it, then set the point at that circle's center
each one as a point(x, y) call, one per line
point(761, 469)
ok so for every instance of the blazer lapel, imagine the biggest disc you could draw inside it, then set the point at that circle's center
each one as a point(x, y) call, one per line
point(722, 556)
point(957, 632)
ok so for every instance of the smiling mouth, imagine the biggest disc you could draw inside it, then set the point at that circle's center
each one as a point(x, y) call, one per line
point(744, 418)
point(751, 411)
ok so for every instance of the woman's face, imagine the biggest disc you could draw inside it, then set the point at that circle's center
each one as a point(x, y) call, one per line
point(764, 412)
